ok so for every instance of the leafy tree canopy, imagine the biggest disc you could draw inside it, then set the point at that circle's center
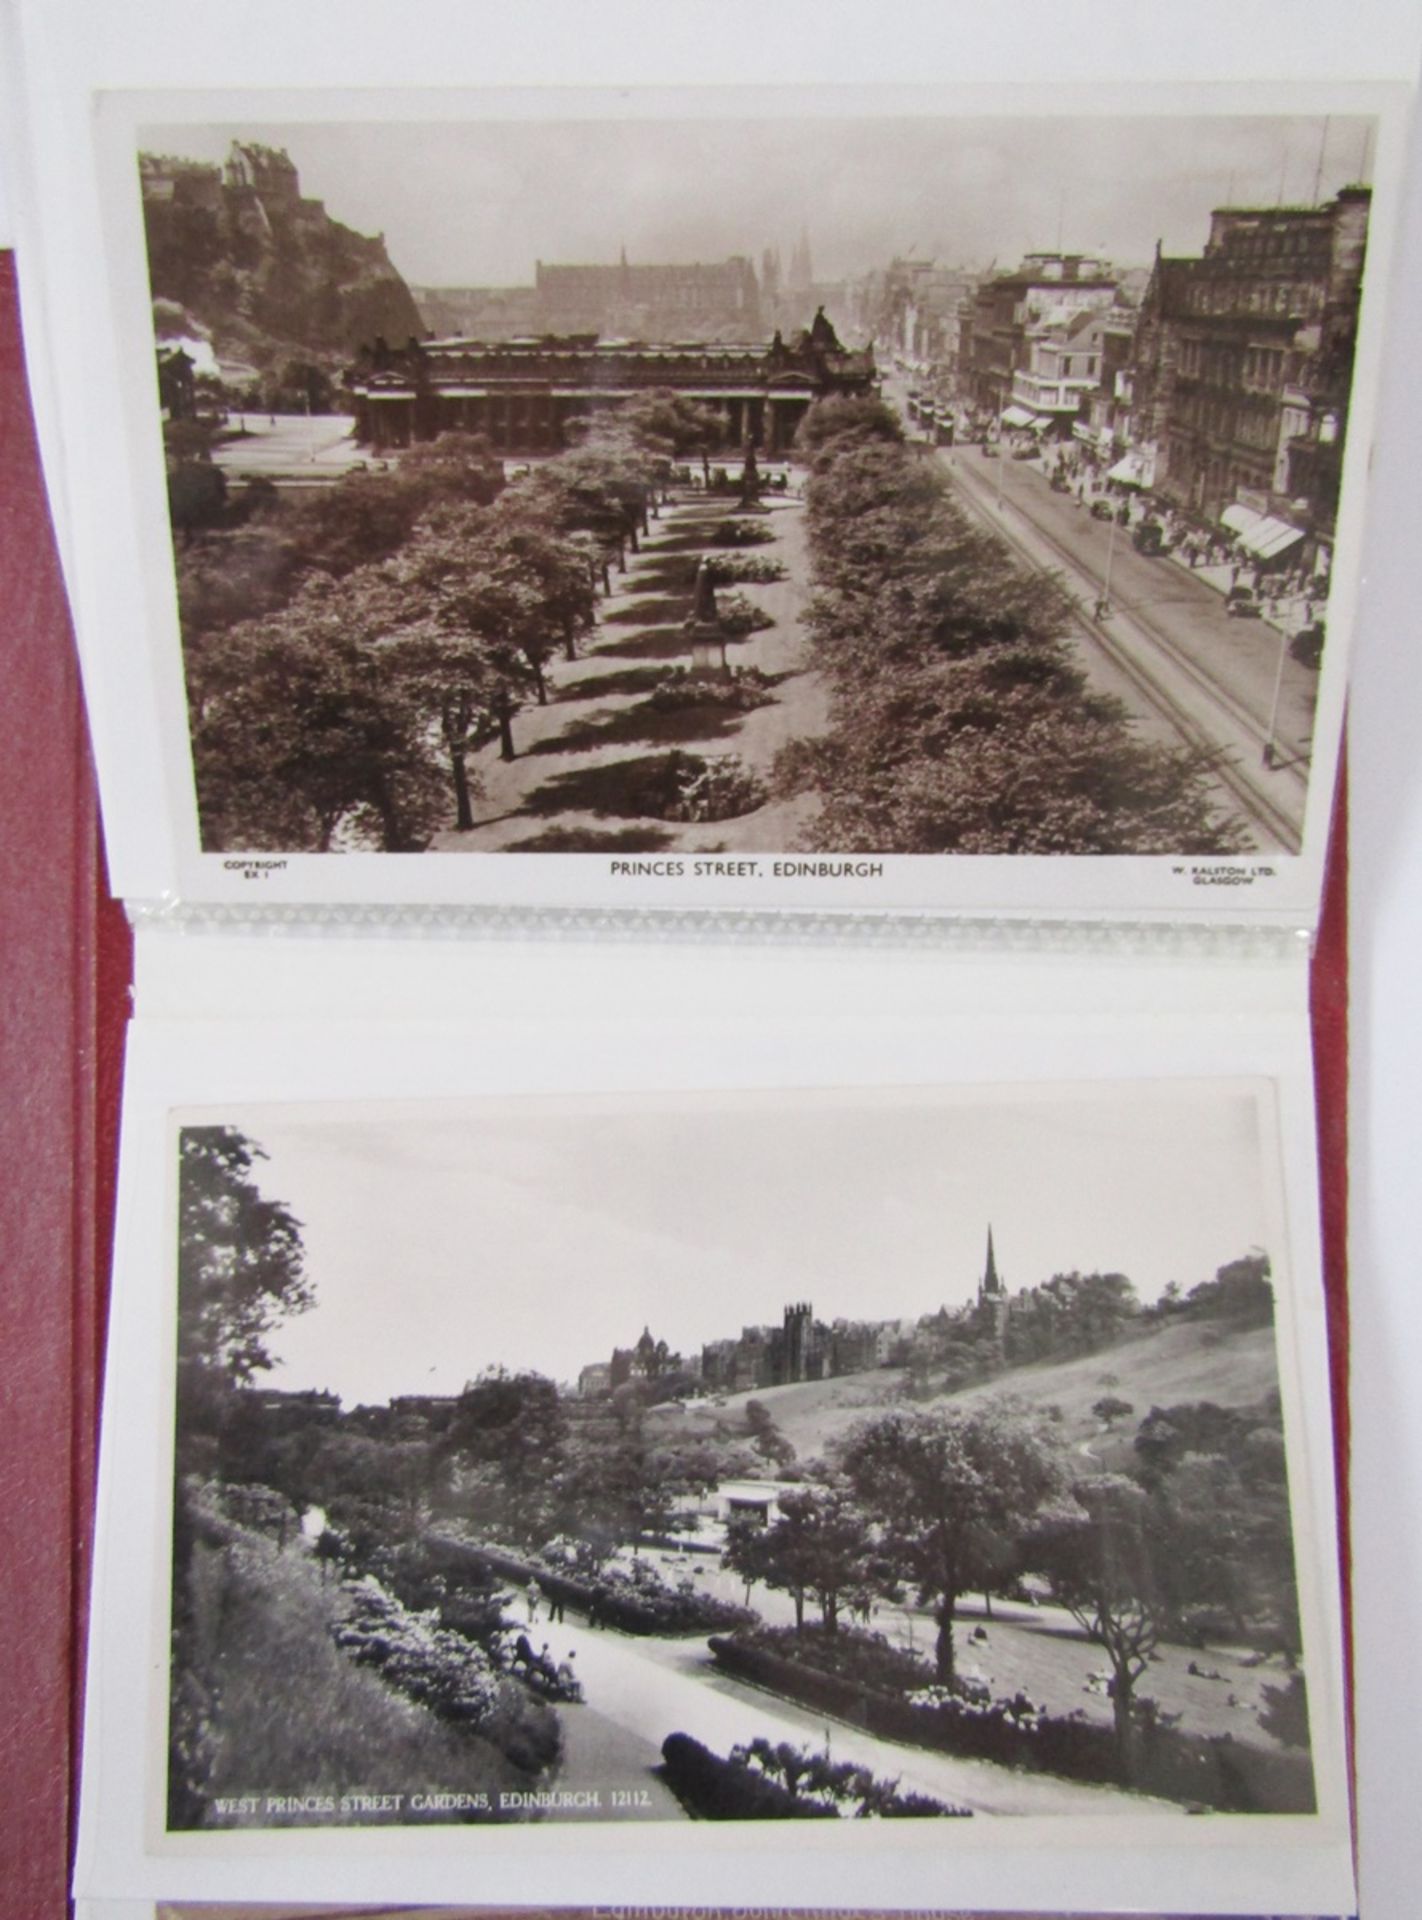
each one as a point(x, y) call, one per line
point(940, 1481)
point(241, 1264)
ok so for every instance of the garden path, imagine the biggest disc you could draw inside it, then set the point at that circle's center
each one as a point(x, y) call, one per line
point(653, 1687)
point(580, 757)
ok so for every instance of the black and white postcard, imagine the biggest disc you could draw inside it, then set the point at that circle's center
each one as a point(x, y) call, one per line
point(516, 1477)
point(791, 1457)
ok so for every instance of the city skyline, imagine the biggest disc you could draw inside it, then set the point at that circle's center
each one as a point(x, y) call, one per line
point(480, 204)
point(447, 1239)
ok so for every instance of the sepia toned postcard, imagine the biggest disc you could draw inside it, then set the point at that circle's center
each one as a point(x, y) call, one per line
point(754, 498)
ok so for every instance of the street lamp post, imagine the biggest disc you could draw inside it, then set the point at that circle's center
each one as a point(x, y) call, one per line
point(1002, 392)
point(1103, 605)
point(1271, 756)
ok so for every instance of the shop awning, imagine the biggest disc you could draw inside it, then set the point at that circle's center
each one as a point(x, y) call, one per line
point(1240, 519)
point(1130, 472)
point(1015, 416)
point(1268, 538)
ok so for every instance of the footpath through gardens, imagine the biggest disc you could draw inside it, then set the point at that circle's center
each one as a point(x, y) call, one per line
point(649, 1688)
point(588, 761)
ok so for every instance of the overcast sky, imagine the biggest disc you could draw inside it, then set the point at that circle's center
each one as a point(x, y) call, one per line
point(442, 1239)
point(477, 204)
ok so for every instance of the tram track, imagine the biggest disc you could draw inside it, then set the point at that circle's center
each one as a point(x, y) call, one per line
point(1257, 805)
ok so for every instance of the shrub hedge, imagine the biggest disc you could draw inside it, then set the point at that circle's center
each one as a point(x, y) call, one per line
point(1217, 1771)
point(711, 1788)
point(647, 1609)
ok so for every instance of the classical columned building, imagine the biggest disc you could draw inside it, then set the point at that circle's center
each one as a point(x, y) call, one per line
point(524, 396)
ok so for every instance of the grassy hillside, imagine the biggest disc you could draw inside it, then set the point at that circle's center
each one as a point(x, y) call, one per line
point(1192, 1360)
point(289, 1713)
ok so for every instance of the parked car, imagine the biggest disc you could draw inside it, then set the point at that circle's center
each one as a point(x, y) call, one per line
point(1059, 483)
point(1307, 646)
point(1243, 603)
point(1102, 510)
point(1024, 453)
point(1149, 538)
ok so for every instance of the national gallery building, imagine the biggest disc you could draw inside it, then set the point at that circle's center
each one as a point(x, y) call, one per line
point(522, 394)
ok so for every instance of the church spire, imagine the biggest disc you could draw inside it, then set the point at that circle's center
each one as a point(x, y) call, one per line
point(991, 1287)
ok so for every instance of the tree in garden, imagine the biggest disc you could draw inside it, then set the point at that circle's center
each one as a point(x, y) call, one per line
point(1007, 752)
point(1213, 1560)
point(1220, 1476)
point(360, 520)
point(557, 567)
point(613, 466)
point(664, 421)
point(1110, 1409)
point(241, 1271)
point(238, 575)
point(624, 1492)
point(1284, 1714)
point(820, 1546)
point(846, 417)
point(1168, 1434)
point(474, 638)
point(1241, 1291)
point(744, 1552)
point(766, 1437)
point(1091, 1308)
point(453, 467)
point(937, 1483)
point(506, 1439)
point(303, 727)
point(959, 722)
point(397, 1475)
point(1105, 1555)
point(197, 489)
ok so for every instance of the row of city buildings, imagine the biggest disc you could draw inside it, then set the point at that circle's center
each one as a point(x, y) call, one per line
point(1220, 380)
point(802, 1347)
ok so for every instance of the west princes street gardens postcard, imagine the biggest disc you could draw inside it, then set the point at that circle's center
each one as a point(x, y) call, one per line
point(742, 1458)
point(748, 501)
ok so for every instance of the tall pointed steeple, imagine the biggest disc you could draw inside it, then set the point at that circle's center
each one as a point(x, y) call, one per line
point(991, 1287)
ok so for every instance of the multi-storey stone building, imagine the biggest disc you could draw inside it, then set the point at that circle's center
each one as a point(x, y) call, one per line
point(524, 395)
point(998, 324)
point(1063, 371)
point(700, 300)
point(1244, 361)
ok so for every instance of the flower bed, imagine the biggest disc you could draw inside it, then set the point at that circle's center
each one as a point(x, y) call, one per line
point(1214, 1772)
point(762, 1781)
point(441, 1670)
point(711, 1788)
point(636, 1602)
point(863, 1659)
point(678, 691)
point(688, 787)
point(741, 533)
point(749, 569)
